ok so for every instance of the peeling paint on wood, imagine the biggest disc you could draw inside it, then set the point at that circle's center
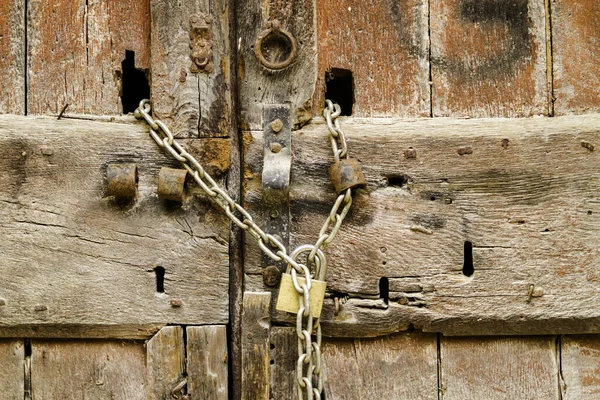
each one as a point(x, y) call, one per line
point(580, 367)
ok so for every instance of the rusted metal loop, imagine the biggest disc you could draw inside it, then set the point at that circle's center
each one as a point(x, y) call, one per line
point(121, 180)
point(171, 184)
point(275, 29)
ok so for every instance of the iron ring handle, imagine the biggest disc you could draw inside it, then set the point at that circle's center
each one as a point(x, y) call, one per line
point(275, 29)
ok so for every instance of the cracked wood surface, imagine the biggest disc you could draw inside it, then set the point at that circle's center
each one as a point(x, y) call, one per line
point(193, 104)
point(523, 192)
point(75, 50)
point(79, 264)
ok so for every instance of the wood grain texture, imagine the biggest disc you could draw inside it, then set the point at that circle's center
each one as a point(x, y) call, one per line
point(283, 359)
point(206, 362)
point(294, 85)
point(523, 193)
point(499, 368)
point(402, 366)
point(75, 51)
point(575, 45)
point(75, 258)
point(385, 45)
point(12, 59)
point(192, 104)
point(93, 369)
point(256, 323)
point(12, 357)
point(488, 58)
point(165, 361)
point(580, 367)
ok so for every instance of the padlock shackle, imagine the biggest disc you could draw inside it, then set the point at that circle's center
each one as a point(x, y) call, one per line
point(320, 260)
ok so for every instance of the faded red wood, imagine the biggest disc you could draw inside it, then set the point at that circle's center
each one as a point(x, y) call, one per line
point(384, 44)
point(580, 367)
point(75, 51)
point(488, 58)
point(576, 50)
point(12, 57)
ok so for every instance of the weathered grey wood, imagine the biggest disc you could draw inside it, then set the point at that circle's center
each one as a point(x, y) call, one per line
point(12, 358)
point(523, 193)
point(191, 103)
point(488, 58)
point(95, 369)
point(75, 50)
point(206, 362)
point(402, 366)
point(283, 360)
point(390, 78)
point(580, 363)
point(294, 85)
point(575, 41)
point(76, 259)
point(165, 362)
point(12, 62)
point(256, 323)
point(500, 368)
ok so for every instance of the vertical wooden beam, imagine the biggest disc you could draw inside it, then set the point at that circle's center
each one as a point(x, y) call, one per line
point(294, 84)
point(256, 324)
point(12, 62)
point(284, 356)
point(488, 58)
point(385, 45)
point(165, 359)
point(12, 356)
point(207, 362)
point(580, 356)
point(576, 50)
point(191, 103)
point(75, 51)
point(499, 368)
point(361, 368)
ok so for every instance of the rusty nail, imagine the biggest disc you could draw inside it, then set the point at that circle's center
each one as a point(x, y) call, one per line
point(277, 125)
point(275, 147)
point(249, 335)
point(271, 275)
point(176, 302)
point(464, 150)
point(505, 143)
point(587, 145)
point(171, 183)
point(40, 307)
point(274, 214)
point(410, 153)
point(121, 180)
point(62, 111)
point(336, 302)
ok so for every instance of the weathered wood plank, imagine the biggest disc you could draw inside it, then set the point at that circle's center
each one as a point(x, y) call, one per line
point(73, 257)
point(192, 103)
point(294, 85)
point(284, 358)
point(499, 368)
point(256, 324)
point(165, 362)
point(575, 44)
point(12, 62)
point(75, 51)
point(488, 58)
point(12, 358)
point(88, 370)
point(386, 46)
point(522, 193)
point(402, 366)
point(580, 363)
point(207, 362)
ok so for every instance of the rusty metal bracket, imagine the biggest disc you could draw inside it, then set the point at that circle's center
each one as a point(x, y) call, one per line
point(121, 180)
point(201, 43)
point(171, 184)
point(277, 166)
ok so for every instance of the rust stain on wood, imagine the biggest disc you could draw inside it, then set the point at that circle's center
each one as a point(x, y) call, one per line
point(384, 44)
point(488, 58)
point(576, 49)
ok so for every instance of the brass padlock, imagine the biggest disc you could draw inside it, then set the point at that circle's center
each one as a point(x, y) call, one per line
point(346, 174)
point(288, 299)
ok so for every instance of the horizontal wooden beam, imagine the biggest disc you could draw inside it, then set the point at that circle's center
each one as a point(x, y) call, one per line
point(76, 263)
point(480, 226)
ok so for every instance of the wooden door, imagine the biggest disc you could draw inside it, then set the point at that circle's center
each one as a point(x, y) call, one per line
point(466, 270)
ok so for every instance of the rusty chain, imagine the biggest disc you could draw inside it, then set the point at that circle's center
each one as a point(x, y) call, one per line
point(308, 369)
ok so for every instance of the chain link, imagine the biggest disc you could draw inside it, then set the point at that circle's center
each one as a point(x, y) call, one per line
point(308, 368)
